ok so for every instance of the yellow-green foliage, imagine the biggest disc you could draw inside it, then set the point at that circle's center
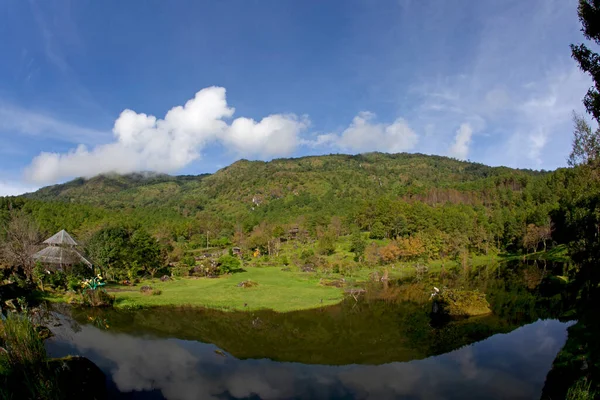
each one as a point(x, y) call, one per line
point(463, 302)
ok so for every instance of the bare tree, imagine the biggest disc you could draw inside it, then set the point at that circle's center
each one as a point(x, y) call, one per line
point(22, 238)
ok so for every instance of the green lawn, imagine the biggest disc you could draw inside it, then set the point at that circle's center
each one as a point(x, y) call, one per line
point(277, 290)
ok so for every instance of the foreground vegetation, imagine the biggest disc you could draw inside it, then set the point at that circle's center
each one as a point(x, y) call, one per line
point(27, 373)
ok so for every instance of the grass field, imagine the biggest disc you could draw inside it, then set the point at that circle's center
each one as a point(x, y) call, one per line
point(277, 290)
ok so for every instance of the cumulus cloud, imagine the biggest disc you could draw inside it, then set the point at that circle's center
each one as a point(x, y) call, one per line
point(144, 142)
point(462, 141)
point(275, 135)
point(364, 135)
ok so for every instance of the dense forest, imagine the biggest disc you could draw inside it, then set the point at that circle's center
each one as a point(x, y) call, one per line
point(390, 196)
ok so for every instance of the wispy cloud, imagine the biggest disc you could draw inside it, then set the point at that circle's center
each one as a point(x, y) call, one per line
point(16, 120)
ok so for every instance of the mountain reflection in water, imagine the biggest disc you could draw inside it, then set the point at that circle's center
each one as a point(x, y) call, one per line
point(512, 365)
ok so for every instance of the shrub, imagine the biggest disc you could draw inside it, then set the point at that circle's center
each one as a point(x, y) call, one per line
point(156, 292)
point(228, 264)
point(57, 280)
point(190, 261)
point(73, 283)
point(306, 254)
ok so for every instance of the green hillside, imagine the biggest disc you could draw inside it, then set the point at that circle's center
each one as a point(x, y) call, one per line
point(247, 184)
point(438, 202)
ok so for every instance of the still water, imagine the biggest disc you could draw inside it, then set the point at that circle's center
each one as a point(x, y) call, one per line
point(374, 349)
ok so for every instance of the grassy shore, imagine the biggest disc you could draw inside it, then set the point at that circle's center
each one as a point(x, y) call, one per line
point(276, 289)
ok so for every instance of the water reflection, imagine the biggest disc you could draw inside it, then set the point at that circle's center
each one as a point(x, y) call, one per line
point(383, 347)
point(510, 365)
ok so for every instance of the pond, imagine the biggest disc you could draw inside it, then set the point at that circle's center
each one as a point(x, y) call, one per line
point(384, 346)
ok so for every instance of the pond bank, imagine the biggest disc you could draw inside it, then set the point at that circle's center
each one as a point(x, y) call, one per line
point(275, 289)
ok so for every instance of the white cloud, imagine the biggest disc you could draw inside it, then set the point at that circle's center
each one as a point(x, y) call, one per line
point(275, 135)
point(143, 142)
point(8, 188)
point(364, 135)
point(537, 142)
point(462, 141)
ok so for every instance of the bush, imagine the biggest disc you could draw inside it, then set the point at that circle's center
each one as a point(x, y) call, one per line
point(190, 261)
point(73, 283)
point(228, 264)
point(57, 280)
point(306, 254)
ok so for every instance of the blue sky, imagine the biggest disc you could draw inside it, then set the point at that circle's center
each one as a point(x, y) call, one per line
point(190, 86)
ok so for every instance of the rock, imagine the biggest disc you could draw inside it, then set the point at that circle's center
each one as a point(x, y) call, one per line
point(460, 303)
point(247, 284)
point(308, 268)
point(43, 332)
point(78, 378)
point(146, 289)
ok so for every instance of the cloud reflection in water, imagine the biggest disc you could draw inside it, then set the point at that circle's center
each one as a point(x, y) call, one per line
point(510, 365)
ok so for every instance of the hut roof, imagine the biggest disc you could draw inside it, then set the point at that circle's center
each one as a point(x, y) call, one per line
point(61, 237)
point(60, 255)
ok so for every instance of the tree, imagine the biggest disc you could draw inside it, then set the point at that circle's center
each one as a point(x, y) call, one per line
point(586, 143)
point(589, 61)
point(389, 253)
point(22, 239)
point(358, 244)
point(146, 252)
point(109, 248)
point(532, 238)
point(377, 230)
point(326, 243)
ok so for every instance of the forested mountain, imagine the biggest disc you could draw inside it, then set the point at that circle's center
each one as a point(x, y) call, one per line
point(436, 199)
point(298, 184)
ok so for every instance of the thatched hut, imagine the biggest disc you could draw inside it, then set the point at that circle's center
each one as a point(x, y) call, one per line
point(61, 252)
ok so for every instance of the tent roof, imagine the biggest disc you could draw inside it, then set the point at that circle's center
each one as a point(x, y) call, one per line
point(60, 255)
point(61, 237)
